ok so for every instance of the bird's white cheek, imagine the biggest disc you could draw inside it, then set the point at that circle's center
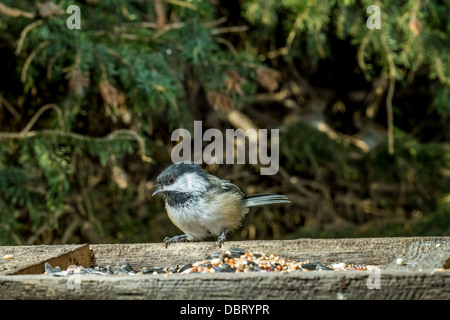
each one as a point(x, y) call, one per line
point(172, 187)
point(193, 183)
point(189, 182)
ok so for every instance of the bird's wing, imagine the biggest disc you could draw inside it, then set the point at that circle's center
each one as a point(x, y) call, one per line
point(224, 185)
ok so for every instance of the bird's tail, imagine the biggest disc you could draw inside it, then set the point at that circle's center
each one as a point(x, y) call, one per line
point(260, 200)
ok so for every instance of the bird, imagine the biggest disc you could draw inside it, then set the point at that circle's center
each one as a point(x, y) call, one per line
point(203, 205)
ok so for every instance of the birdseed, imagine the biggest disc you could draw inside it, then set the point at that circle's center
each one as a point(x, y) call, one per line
point(233, 260)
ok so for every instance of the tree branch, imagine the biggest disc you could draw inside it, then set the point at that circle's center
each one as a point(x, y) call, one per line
point(26, 65)
point(390, 95)
point(25, 133)
point(39, 113)
point(23, 34)
point(12, 12)
point(229, 29)
point(10, 108)
point(132, 135)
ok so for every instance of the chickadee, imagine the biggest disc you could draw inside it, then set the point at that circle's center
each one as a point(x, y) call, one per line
point(203, 205)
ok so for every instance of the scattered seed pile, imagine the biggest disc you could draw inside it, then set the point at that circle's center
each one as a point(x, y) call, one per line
point(233, 260)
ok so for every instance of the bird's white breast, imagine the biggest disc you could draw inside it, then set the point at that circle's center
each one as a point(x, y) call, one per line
point(192, 217)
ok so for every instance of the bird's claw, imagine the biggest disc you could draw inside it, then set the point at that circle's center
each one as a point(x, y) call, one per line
point(167, 241)
point(221, 239)
point(176, 239)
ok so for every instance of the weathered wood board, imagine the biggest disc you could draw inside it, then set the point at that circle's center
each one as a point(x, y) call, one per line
point(423, 273)
point(15, 260)
point(341, 285)
point(422, 256)
point(377, 251)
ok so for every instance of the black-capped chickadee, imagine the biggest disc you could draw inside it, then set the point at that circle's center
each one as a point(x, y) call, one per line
point(203, 205)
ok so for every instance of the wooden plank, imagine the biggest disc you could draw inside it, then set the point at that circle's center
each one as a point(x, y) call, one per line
point(423, 281)
point(377, 251)
point(422, 255)
point(340, 285)
point(15, 260)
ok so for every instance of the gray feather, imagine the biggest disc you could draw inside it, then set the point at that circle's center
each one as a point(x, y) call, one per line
point(260, 200)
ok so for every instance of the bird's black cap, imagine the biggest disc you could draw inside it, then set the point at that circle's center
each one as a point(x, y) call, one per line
point(177, 169)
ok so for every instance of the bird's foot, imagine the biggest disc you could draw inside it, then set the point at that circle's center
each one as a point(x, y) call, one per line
point(181, 238)
point(221, 239)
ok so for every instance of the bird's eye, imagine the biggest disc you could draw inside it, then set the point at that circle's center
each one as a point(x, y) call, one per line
point(171, 180)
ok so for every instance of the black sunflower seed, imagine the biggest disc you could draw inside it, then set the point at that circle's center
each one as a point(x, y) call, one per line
point(185, 267)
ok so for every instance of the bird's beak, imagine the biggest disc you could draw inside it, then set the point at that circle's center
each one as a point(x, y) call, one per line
point(158, 190)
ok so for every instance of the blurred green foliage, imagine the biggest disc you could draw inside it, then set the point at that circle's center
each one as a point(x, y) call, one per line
point(401, 194)
point(86, 115)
